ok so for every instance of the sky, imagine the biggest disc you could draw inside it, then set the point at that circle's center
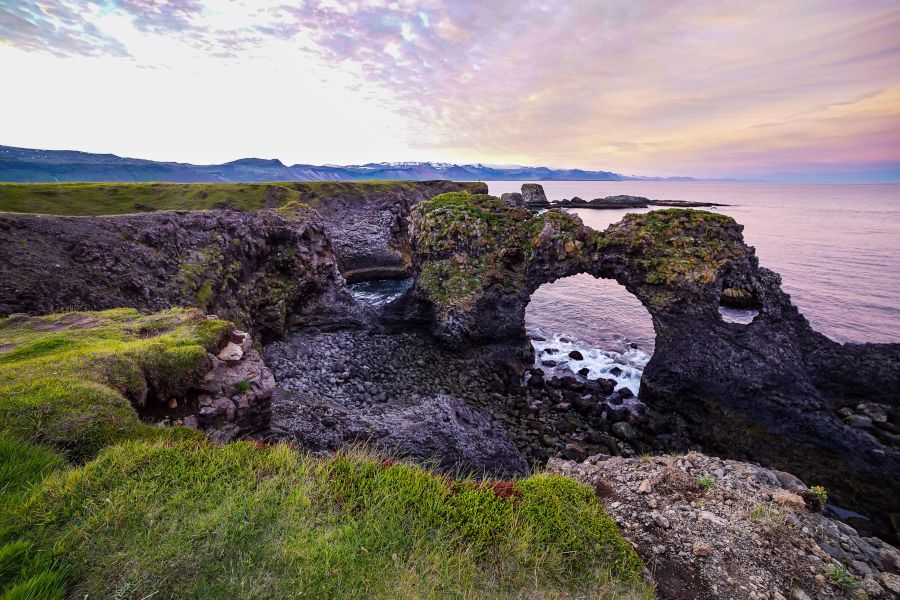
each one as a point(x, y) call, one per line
point(801, 90)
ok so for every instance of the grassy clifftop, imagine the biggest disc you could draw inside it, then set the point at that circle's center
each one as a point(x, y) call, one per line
point(95, 503)
point(76, 199)
point(69, 382)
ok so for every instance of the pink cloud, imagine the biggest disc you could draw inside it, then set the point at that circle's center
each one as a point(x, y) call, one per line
point(698, 87)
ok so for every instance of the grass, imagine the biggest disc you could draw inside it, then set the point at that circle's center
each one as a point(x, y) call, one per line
point(841, 576)
point(122, 198)
point(189, 519)
point(773, 519)
point(95, 503)
point(706, 481)
point(70, 382)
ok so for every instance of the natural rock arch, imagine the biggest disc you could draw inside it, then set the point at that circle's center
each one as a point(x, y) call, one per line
point(768, 391)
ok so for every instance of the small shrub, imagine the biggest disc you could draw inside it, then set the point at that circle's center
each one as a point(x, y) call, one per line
point(819, 491)
point(242, 386)
point(772, 519)
point(843, 578)
point(706, 481)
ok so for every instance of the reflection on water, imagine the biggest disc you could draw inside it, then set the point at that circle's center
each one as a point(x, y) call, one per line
point(599, 312)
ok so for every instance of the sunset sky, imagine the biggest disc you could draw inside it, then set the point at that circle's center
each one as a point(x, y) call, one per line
point(799, 89)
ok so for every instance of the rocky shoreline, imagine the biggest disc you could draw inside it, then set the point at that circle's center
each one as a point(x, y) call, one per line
point(533, 197)
point(343, 387)
point(624, 201)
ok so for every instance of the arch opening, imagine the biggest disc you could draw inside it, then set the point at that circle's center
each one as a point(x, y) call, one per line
point(590, 327)
point(739, 306)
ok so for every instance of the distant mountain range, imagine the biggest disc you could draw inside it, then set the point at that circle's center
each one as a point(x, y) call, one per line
point(28, 165)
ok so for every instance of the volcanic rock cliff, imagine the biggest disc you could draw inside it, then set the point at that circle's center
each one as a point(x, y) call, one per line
point(369, 225)
point(270, 270)
point(772, 391)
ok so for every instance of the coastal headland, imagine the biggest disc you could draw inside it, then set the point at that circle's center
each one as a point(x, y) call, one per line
point(147, 327)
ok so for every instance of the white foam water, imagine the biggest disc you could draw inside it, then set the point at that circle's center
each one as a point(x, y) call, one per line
point(625, 367)
point(379, 292)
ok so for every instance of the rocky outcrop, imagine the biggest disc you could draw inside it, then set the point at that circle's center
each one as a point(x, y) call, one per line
point(344, 386)
point(269, 271)
point(368, 223)
point(514, 199)
point(232, 399)
point(534, 196)
point(624, 201)
point(709, 528)
point(771, 390)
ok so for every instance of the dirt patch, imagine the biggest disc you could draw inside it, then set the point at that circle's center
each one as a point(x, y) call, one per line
point(66, 323)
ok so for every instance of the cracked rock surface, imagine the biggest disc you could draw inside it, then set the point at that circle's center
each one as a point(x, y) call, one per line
point(713, 528)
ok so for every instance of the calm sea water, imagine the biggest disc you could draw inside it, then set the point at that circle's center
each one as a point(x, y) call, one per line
point(837, 248)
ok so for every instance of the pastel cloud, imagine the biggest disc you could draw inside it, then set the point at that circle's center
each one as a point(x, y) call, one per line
point(704, 87)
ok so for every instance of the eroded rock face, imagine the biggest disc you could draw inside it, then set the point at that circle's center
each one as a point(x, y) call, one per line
point(227, 397)
point(513, 199)
point(234, 398)
point(713, 528)
point(769, 391)
point(369, 231)
point(270, 271)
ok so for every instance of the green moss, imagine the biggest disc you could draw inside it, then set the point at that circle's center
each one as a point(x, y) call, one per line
point(204, 294)
point(295, 210)
point(194, 520)
point(69, 382)
point(449, 282)
point(468, 243)
point(677, 247)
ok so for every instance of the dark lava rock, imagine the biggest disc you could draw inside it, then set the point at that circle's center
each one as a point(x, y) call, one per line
point(272, 271)
point(534, 196)
point(370, 231)
point(514, 199)
point(576, 355)
point(624, 431)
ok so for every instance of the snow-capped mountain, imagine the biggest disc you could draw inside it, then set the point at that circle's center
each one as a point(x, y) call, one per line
point(24, 164)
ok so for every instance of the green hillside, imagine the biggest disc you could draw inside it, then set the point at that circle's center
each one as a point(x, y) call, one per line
point(94, 503)
point(124, 198)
